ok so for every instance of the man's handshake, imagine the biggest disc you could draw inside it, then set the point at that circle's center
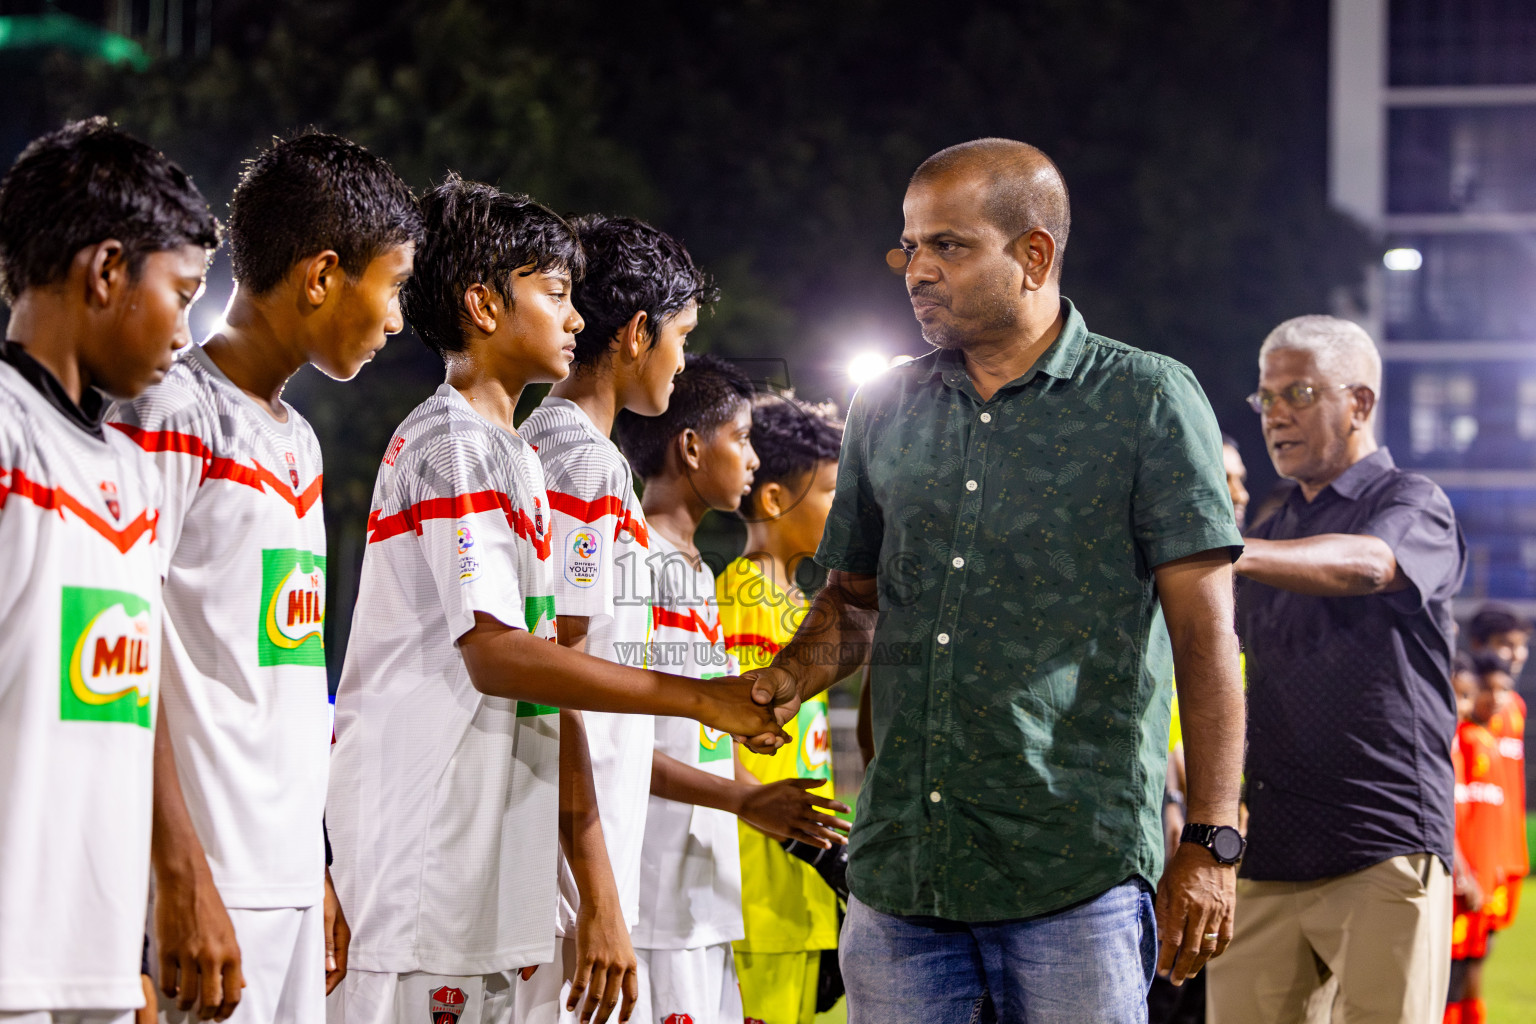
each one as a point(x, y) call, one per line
point(752, 707)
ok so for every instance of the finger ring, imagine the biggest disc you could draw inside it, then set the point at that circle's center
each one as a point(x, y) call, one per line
point(1212, 936)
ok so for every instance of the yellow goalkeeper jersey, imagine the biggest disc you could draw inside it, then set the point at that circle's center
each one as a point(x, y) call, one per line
point(786, 906)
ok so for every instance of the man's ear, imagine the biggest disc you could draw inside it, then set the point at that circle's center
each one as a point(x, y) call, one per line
point(319, 275)
point(631, 339)
point(483, 306)
point(690, 450)
point(1035, 252)
point(1365, 404)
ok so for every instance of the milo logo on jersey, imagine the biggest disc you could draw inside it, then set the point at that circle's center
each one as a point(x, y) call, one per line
point(539, 616)
point(292, 628)
point(105, 668)
point(813, 750)
point(714, 745)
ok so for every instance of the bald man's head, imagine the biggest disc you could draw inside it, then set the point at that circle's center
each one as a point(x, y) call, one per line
point(1024, 189)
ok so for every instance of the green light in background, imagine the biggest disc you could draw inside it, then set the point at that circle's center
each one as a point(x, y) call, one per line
point(35, 31)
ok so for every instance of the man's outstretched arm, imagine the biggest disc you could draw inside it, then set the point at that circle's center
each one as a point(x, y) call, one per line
point(1327, 565)
point(833, 641)
point(1197, 894)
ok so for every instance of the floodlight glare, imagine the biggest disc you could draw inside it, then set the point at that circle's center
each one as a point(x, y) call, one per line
point(867, 365)
point(1402, 259)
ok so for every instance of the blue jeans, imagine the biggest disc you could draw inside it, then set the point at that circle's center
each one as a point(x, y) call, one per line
point(1089, 964)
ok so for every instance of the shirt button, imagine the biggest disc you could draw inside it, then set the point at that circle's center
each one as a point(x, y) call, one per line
point(934, 796)
point(958, 562)
point(970, 485)
point(986, 417)
point(943, 639)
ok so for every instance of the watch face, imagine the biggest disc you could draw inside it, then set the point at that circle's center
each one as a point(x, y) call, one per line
point(1227, 844)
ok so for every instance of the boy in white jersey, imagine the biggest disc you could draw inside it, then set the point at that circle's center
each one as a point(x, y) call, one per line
point(639, 298)
point(443, 798)
point(103, 247)
point(321, 235)
point(695, 457)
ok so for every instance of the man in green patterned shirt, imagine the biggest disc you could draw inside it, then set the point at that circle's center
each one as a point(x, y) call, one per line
point(1040, 518)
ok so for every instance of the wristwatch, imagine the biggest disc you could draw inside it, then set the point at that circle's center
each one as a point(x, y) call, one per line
point(1225, 842)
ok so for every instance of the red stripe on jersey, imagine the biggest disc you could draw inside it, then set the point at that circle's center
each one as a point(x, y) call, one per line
point(607, 505)
point(255, 476)
point(751, 640)
point(691, 622)
point(57, 499)
point(456, 507)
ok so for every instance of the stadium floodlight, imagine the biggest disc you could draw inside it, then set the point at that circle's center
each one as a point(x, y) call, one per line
point(1402, 259)
point(866, 366)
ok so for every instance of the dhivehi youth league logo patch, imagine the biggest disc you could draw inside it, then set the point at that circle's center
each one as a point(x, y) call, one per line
point(292, 630)
point(469, 565)
point(583, 545)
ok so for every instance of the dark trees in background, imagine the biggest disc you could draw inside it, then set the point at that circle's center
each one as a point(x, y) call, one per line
point(776, 136)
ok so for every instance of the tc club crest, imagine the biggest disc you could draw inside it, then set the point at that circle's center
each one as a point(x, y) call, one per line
point(678, 1018)
point(109, 495)
point(447, 1005)
point(293, 468)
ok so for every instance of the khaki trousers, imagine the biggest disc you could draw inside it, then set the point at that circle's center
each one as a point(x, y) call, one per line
point(1382, 935)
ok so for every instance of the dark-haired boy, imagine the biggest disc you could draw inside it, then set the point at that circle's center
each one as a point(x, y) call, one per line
point(639, 298)
point(321, 237)
point(790, 911)
point(694, 458)
point(103, 247)
point(443, 798)
point(1501, 632)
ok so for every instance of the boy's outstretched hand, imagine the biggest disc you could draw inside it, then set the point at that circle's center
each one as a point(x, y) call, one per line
point(729, 705)
point(787, 809)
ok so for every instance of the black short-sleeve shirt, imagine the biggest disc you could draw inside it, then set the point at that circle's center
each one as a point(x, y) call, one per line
point(1350, 707)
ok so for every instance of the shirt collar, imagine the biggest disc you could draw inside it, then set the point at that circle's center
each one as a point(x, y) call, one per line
point(88, 414)
point(1059, 361)
point(1351, 483)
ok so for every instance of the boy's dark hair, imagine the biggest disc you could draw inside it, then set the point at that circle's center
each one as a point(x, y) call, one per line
point(87, 182)
point(631, 267)
point(1487, 663)
point(705, 396)
point(1462, 662)
point(791, 438)
point(1493, 619)
point(310, 193)
point(477, 234)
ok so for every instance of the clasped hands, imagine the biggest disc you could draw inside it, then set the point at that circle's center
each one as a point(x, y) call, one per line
point(753, 707)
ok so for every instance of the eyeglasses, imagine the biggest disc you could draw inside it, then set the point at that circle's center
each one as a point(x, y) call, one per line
point(1297, 396)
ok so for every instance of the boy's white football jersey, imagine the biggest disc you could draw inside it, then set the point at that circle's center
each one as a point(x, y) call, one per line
point(443, 801)
point(600, 546)
point(690, 867)
point(79, 664)
point(245, 690)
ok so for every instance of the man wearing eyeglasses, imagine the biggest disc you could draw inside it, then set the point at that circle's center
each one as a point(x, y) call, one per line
point(1344, 607)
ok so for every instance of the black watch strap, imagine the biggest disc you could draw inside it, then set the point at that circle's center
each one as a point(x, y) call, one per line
point(1225, 842)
